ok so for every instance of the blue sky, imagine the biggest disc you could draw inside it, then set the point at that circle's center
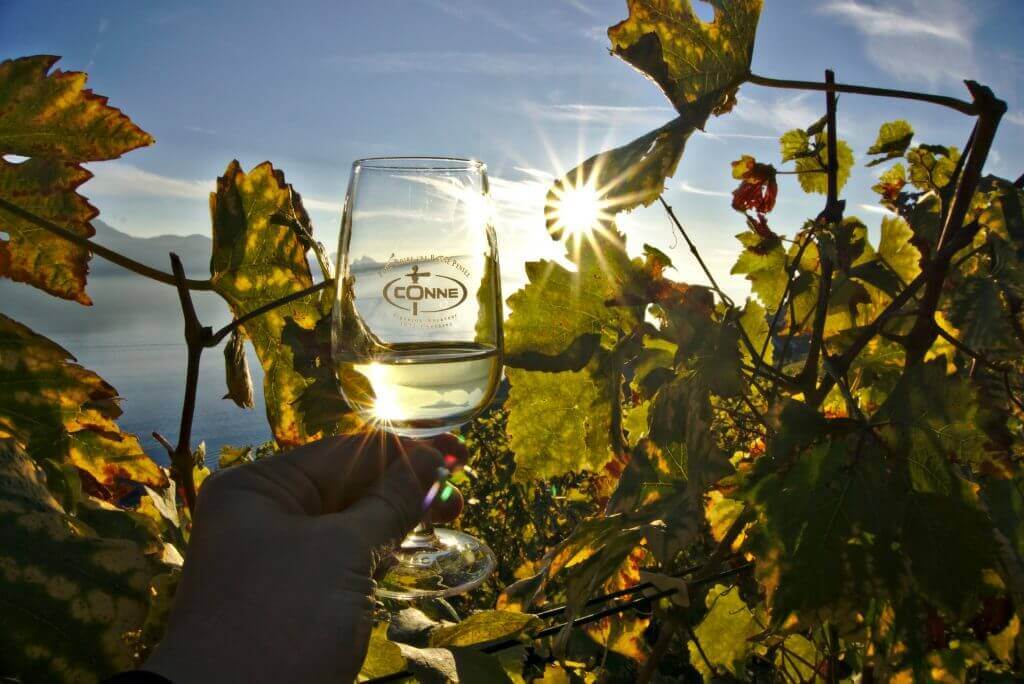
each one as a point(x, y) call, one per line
point(527, 86)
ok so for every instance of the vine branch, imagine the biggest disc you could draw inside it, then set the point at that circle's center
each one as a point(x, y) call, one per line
point(101, 251)
point(215, 338)
point(195, 334)
point(953, 103)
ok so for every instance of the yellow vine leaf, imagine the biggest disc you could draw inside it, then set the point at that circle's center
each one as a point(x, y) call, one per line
point(259, 256)
point(55, 408)
point(698, 65)
point(56, 122)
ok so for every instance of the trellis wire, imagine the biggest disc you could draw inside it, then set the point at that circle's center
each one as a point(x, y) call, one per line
point(584, 619)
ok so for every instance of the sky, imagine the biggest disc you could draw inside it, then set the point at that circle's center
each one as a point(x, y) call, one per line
point(528, 87)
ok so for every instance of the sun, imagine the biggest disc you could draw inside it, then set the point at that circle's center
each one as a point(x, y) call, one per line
point(578, 209)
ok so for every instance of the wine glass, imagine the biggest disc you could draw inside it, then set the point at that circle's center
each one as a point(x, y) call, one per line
point(417, 341)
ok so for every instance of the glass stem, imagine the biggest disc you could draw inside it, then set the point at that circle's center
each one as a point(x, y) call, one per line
point(421, 537)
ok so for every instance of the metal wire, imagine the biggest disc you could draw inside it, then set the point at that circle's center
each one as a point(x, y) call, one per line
point(591, 617)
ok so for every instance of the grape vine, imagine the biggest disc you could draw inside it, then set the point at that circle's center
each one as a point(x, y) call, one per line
point(823, 481)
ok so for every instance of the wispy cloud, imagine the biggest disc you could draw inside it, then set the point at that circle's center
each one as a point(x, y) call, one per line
point(472, 11)
point(741, 136)
point(609, 115)
point(482, 63)
point(200, 129)
point(876, 209)
point(686, 187)
point(582, 7)
point(781, 114)
point(117, 179)
point(914, 39)
point(1016, 118)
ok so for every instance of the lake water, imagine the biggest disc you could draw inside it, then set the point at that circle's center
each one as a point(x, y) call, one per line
point(133, 337)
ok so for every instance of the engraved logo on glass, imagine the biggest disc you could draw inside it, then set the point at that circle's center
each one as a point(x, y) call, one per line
point(424, 292)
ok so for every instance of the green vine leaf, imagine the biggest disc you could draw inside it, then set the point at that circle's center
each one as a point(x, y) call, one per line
point(56, 409)
point(623, 178)
point(71, 598)
point(559, 313)
point(893, 140)
point(258, 258)
point(810, 153)
point(931, 166)
point(558, 422)
point(933, 419)
point(724, 634)
point(57, 123)
point(763, 263)
point(484, 627)
point(698, 65)
point(897, 250)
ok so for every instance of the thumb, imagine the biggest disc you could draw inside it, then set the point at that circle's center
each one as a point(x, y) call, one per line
point(394, 504)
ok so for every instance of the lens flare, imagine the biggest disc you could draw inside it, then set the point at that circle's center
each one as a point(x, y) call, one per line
point(578, 209)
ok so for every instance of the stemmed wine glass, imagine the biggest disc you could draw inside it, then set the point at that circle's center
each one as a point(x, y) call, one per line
point(417, 336)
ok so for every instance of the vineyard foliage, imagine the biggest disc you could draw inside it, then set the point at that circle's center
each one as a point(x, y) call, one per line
point(843, 449)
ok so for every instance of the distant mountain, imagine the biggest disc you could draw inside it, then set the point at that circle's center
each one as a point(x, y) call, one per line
point(194, 251)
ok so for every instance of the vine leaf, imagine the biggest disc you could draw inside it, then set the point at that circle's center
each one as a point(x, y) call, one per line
point(897, 250)
point(483, 627)
point(893, 140)
point(930, 167)
point(55, 408)
point(53, 115)
point(71, 598)
point(625, 177)
point(559, 308)
point(698, 65)
point(763, 262)
point(259, 258)
point(809, 151)
point(558, 422)
point(724, 634)
point(383, 657)
point(52, 119)
point(933, 418)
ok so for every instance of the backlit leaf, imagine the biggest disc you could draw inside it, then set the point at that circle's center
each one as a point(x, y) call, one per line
point(723, 634)
point(698, 65)
point(57, 409)
point(71, 598)
point(811, 170)
point(53, 115)
point(47, 188)
point(625, 177)
point(558, 422)
point(931, 166)
point(763, 263)
point(54, 121)
point(893, 140)
point(259, 258)
point(896, 249)
point(561, 311)
point(932, 418)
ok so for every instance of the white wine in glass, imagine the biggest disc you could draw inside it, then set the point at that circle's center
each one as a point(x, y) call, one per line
point(417, 330)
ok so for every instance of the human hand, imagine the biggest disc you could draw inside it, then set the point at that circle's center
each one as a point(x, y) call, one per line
point(277, 583)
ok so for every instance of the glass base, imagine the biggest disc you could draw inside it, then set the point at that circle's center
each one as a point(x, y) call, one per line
point(430, 565)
